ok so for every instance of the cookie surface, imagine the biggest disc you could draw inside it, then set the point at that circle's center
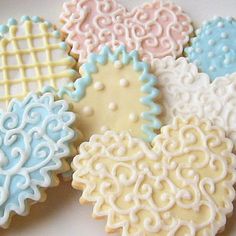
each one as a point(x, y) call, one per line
point(32, 55)
point(214, 48)
point(182, 185)
point(35, 136)
point(116, 92)
point(156, 29)
point(187, 92)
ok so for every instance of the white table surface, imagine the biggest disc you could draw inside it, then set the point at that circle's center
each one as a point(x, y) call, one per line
point(61, 214)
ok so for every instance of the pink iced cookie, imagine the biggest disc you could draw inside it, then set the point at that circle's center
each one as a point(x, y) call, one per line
point(156, 29)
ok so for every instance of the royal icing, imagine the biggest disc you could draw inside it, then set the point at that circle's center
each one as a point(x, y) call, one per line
point(32, 55)
point(100, 96)
point(182, 185)
point(213, 50)
point(156, 29)
point(35, 134)
point(186, 91)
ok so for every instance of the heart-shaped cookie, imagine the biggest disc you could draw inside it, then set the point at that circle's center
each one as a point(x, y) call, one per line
point(186, 91)
point(35, 134)
point(182, 185)
point(116, 91)
point(156, 29)
point(32, 55)
point(213, 50)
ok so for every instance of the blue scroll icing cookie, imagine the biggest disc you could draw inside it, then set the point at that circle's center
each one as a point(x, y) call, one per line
point(117, 92)
point(35, 137)
point(214, 47)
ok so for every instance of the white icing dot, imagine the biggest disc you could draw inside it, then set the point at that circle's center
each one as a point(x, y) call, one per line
point(128, 198)
point(133, 117)
point(225, 49)
point(198, 50)
point(104, 129)
point(210, 54)
point(224, 35)
point(227, 61)
point(99, 86)
point(212, 68)
point(88, 111)
point(112, 106)
point(124, 83)
point(190, 173)
point(211, 42)
point(99, 166)
point(164, 197)
point(220, 25)
point(166, 215)
point(208, 32)
point(117, 64)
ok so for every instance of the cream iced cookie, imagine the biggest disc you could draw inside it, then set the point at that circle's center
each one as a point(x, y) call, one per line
point(214, 48)
point(116, 91)
point(32, 55)
point(186, 92)
point(35, 137)
point(156, 29)
point(180, 185)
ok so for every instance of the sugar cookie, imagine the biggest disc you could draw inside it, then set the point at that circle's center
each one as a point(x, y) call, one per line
point(35, 137)
point(156, 29)
point(182, 185)
point(214, 48)
point(187, 92)
point(116, 92)
point(32, 55)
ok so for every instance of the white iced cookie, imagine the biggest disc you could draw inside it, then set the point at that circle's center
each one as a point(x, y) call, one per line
point(32, 55)
point(186, 92)
point(180, 185)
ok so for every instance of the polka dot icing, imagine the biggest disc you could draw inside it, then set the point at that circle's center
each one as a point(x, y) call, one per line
point(35, 137)
point(214, 48)
point(111, 108)
point(155, 29)
point(32, 55)
point(182, 184)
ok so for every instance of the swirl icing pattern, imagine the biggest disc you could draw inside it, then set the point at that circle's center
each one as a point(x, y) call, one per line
point(181, 185)
point(187, 92)
point(35, 136)
point(32, 55)
point(156, 29)
point(99, 97)
point(213, 50)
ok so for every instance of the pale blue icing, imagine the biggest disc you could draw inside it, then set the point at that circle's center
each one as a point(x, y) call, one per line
point(77, 92)
point(213, 50)
point(35, 134)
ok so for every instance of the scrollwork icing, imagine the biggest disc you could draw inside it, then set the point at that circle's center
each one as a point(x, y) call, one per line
point(148, 190)
point(35, 135)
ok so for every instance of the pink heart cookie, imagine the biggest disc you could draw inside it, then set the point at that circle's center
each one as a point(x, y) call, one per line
point(156, 29)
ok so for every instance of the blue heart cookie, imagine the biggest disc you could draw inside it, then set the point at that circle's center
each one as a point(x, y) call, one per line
point(35, 136)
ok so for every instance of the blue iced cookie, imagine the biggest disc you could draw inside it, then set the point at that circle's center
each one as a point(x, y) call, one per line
point(35, 137)
point(214, 47)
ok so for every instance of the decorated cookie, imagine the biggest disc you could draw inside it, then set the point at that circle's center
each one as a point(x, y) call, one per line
point(156, 29)
point(214, 48)
point(116, 92)
point(181, 185)
point(32, 55)
point(35, 134)
point(186, 92)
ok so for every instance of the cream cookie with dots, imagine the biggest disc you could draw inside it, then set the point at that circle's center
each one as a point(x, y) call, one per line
point(180, 185)
point(32, 55)
point(117, 92)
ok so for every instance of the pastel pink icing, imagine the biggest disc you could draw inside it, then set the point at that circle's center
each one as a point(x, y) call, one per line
point(156, 29)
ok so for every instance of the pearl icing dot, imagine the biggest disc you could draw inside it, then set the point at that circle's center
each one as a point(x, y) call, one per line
point(88, 111)
point(133, 117)
point(112, 106)
point(104, 128)
point(117, 64)
point(99, 86)
point(124, 83)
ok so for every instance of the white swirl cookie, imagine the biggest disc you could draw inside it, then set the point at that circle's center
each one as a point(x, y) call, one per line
point(180, 185)
point(156, 29)
point(186, 92)
point(35, 137)
point(32, 55)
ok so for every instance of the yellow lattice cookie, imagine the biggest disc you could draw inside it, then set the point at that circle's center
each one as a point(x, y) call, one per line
point(32, 55)
point(181, 185)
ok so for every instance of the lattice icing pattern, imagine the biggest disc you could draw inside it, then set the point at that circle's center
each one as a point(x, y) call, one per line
point(181, 185)
point(186, 91)
point(35, 137)
point(156, 29)
point(99, 97)
point(32, 55)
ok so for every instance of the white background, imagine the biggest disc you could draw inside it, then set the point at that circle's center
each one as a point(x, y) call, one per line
point(61, 214)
